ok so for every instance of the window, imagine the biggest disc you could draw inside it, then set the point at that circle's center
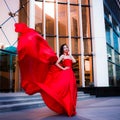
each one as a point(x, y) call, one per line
point(60, 22)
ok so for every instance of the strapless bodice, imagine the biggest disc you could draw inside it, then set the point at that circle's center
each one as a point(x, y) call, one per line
point(67, 62)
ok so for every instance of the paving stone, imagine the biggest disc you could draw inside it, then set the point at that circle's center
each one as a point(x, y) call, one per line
point(107, 108)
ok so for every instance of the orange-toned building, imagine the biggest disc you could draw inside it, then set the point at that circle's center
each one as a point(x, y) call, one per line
point(91, 28)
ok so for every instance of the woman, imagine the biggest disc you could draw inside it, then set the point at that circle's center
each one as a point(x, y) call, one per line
point(41, 71)
point(64, 54)
point(59, 89)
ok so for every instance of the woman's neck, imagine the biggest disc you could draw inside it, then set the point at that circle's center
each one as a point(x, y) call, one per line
point(66, 54)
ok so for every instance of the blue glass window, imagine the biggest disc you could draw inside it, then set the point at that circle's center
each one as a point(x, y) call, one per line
point(115, 39)
point(108, 34)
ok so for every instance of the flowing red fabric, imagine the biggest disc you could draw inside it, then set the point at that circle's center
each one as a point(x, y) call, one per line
point(40, 74)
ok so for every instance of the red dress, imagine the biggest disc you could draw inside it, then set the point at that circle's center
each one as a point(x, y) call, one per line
point(40, 74)
point(59, 89)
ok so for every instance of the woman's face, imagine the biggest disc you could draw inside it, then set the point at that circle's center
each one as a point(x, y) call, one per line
point(65, 49)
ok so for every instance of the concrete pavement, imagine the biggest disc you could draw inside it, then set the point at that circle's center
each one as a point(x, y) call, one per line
point(103, 108)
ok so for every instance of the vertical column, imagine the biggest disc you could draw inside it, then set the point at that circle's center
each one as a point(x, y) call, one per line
point(81, 45)
point(69, 27)
point(32, 14)
point(57, 35)
point(100, 64)
point(44, 20)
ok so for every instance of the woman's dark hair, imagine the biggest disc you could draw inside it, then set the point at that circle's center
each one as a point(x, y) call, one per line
point(61, 49)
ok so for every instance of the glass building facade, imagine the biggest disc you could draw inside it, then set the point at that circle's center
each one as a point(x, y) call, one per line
point(112, 26)
point(68, 21)
point(7, 71)
point(71, 22)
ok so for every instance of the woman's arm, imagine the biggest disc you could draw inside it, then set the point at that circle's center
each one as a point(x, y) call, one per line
point(58, 61)
point(73, 59)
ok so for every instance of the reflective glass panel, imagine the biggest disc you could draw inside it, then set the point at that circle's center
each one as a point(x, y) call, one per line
point(115, 39)
point(106, 12)
point(108, 38)
point(75, 30)
point(52, 42)
point(87, 46)
point(118, 75)
point(85, 2)
point(86, 21)
point(110, 72)
point(88, 71)
point(39, 17)
point(50, 18)
point(62, 1)
point(117, 59)
point(114, 24)
point(77, 70)
point(63, 41)
point(74, 1)
point(7, 72)
point(62, 20)
point(75, 43)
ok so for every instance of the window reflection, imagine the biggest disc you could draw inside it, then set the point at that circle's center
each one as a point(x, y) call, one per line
point(50, 18)
point(115, 39)
point(52, 42)
point(77, 70)
point(74, 1)
point(63, 41)
point(54, 37)
point(75, 43)
point(62, 0)
point(87, 46)
point(117, 60)
point(7, 72)
point(86, 21)
point(85, 2)
point(88, 71)
point(114, 24)
point(110, 72)
point(62, 20)
point(106, 12)
point(50, 10)
point(112, 39)
point(108, 38)
point(39, 17)
point(74, 21)
point(118, 75)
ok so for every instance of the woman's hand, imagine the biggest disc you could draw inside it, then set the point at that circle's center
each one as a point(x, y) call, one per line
point(66, 68)
point(73, 59)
